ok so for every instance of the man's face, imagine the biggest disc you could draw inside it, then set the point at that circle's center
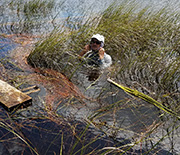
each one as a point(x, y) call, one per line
point(95, 44)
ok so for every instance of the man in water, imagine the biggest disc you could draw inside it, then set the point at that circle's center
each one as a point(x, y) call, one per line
point(95, 53)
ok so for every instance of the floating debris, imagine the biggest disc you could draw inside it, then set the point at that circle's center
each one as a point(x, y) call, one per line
point(11, 97)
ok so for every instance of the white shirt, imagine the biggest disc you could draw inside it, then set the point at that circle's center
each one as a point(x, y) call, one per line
point(106, 61)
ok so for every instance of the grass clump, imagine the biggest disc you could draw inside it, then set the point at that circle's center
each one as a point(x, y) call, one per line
point(27, 16)
point(38, 7)
point(60, 49)
point(143, 44)
point(144, 47)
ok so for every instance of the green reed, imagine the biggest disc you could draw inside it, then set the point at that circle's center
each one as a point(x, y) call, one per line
point(38, 6)
point(145, 45)
point(10, 128)
point(27, 16)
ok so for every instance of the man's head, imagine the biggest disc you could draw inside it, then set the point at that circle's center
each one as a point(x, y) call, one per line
point(97, 41)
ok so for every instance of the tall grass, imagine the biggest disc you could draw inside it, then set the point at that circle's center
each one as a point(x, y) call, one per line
point(144, 46)
point(26, 16)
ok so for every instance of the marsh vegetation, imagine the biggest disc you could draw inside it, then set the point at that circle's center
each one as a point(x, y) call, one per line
point(140, 115)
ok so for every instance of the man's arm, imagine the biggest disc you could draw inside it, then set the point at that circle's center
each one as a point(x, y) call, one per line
point(85, 50)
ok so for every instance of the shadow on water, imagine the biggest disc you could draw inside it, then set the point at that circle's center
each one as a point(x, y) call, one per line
point(47, 137)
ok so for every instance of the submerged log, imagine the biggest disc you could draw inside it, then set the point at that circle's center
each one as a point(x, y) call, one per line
point(11, 97)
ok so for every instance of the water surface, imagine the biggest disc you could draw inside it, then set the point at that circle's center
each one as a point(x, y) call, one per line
point(127, 119)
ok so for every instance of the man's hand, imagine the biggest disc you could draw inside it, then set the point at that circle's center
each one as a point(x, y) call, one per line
point(85, 50)
point(101, 53)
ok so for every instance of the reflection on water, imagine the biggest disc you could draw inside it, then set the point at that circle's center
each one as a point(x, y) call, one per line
point(6, 45)
point(40, 17)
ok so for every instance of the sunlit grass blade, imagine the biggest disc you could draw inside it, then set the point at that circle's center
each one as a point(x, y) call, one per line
point(61, 149)
point(7, 127)
point(145, 98)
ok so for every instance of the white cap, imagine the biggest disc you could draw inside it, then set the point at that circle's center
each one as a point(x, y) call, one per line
point(98, 37)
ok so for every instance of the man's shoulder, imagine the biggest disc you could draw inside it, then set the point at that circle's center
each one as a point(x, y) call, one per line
point(107, 56)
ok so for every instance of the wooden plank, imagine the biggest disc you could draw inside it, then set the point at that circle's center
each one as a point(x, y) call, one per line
point(10, 96)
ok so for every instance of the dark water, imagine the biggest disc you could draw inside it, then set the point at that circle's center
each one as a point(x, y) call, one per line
point(48, 138)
